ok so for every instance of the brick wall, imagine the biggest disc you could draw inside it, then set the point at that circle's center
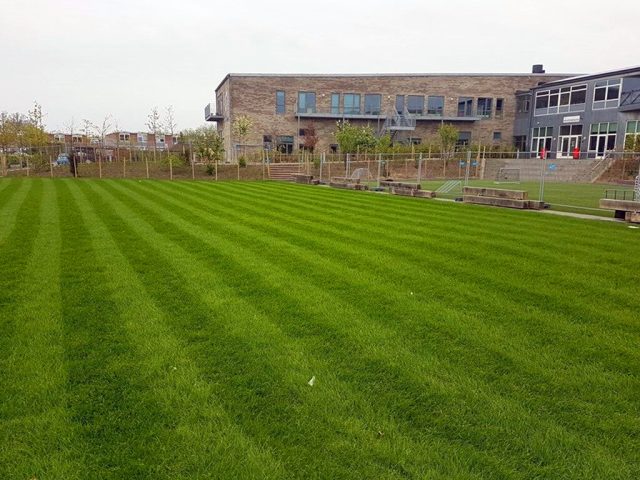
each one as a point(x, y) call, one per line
point(255, 96)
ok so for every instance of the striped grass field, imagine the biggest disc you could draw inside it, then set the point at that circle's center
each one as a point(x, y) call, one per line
point(168, 330)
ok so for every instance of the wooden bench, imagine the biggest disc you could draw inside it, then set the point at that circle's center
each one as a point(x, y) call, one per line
point(348, 186)
point(412, 192)
point(392, 184)
point(499, 197)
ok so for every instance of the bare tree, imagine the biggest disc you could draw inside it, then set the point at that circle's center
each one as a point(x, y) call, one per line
point(70, 129)
point(103, 130)
point(155, 126)
point(170, 122)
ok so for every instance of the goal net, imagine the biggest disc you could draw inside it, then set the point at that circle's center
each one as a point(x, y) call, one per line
point(508, 175)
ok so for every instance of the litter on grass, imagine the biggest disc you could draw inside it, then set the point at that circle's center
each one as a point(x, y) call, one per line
point(312, 381)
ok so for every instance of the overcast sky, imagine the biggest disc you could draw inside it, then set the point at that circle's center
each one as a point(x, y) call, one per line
point(89, 58)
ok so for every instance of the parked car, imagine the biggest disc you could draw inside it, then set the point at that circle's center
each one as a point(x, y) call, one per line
point(63, 159)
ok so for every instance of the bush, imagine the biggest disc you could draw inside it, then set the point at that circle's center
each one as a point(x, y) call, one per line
point(210, 169)
point(242, 162)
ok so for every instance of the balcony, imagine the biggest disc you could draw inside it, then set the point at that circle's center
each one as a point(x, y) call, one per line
point(210, 115)
point(349, 114)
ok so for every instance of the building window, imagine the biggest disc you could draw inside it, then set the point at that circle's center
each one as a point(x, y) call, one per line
point(465, 107)
point(334, 148)
point(400, 104)
point(485, 106)
point(351, 103)
point(306, 102)
point(602, 138)
point(569, 139)
point(499, 108)
point(142, 138)
point(415, 104)
point(606, 94)
point(415, 141)
point(561, 100)
point(497, 136)
point(285, 144)
point(280, 102)
point(435, 105)
point(58, 137)
point(124, 137)
point(335, 103)
point(267, 142)
point(175, 140)
point(520, 142)
point(523, 104)
point(78, 138)
point(632, 135)
point(541, 140)
point(372, 104)
point(159, 138)
point(464, 139)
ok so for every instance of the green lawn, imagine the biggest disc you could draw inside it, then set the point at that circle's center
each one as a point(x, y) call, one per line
point(168, 330)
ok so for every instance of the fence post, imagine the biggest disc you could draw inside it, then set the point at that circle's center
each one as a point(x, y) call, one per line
point(329, 171)
point(321, 162)
point(3, 161)
point(216, 169)
point(420, 167)
point(379, 167)
point(75, 165)
point(193, 169)
point(170, 167)
point(238, 163)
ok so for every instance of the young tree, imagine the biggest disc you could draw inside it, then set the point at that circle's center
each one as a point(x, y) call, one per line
point(70, 129)
point(241, 128)
point(448, 137)
point(310, 138)
point(155, 126)
point(352, 139)
point(207, 144)
point(34, 130)
point(170, 121)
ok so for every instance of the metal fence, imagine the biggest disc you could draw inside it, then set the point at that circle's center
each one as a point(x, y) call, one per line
point(565, 183)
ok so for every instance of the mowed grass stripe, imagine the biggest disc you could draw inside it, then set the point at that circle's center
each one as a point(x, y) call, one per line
point(112, 408)
point(36, 434)
point(606, 386)
point(10, 204)
point(193, 435)
point(265, 378)
point(14, 258)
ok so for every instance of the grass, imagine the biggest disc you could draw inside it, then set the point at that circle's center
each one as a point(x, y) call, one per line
point(167, 330)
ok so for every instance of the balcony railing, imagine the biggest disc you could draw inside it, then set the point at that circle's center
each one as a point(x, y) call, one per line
point(210, 115)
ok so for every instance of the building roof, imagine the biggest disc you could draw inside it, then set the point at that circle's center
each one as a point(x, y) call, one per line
point(593, 76)
point(409, 75)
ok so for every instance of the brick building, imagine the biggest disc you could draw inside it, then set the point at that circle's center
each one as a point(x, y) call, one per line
point(409, 108)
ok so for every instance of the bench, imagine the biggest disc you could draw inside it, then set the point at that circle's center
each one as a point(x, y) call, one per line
point(499, 197)
point(412, 192)
point(302, 178)
point(628, 210)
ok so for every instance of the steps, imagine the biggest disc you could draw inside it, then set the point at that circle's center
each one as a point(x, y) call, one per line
point(283, 171)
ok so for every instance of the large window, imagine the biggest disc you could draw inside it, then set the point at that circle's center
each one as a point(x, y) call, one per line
point(602, 137)
point(632, 135)
point(561, 100)
point(465, 107)
point(280, 102)
point(541, 140)
point(415, 104)
point(464, 139)
point(306, 102)
point(372, 104)
point(499, 107)
point(435, 105)
point(285, 144)
point(351, 103)
point(606, 94)
point(335, 103)
point(520, 142)
point(523, 104)
point(400, 104)
point(485, 106)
